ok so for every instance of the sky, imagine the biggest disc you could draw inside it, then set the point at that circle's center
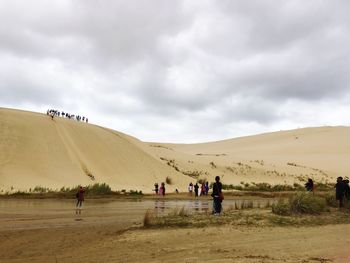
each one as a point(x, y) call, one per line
point(179, 71)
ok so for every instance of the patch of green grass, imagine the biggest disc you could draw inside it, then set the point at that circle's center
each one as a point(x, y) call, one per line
point(300, 203)
point(40, 189)
point(330, 199)
point(93, 191)
point(135, 192)
point(99, 189)
point(307, 203)
point(281, 208)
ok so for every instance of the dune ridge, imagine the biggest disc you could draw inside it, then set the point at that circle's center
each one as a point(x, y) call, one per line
point(39, 151)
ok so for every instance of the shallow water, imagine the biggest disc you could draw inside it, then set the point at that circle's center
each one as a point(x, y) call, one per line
point(43, 213)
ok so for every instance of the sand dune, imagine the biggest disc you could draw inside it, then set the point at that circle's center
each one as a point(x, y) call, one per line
point(281, 157)
point(36, 150)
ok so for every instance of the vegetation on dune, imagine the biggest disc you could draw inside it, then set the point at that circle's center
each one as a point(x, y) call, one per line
point(88, 173)
point(201, 180)
point(97, 189)
point(168, 180)
point(266, 187)
point(213, 165)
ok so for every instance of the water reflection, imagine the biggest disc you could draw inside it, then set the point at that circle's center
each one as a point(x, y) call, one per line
point(26, 214)
point(206, 206)
point(126, 206)
point(159, 206)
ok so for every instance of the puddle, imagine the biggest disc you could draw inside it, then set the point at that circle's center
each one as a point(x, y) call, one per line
point(44, 213)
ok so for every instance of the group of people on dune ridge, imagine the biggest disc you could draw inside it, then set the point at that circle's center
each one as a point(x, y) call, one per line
point(57, 113)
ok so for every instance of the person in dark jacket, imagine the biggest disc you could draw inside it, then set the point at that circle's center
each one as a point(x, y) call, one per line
point(156, 188)
point(162, 189)
point(80, 199)
point(309, 186)
point(217, 192)
point(196, 187)
point(340, 191)
point(346, 190)
point(206, 188)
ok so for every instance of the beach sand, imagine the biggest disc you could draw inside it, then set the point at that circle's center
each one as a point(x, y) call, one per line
point(101, 236)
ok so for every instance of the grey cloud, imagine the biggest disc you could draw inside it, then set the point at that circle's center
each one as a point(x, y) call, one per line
point(25, 83)
point(182, 63)
point(97, 31)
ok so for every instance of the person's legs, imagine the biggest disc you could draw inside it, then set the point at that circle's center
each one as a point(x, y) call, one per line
point(217, 205)
point(79, 204)
point(77, 207)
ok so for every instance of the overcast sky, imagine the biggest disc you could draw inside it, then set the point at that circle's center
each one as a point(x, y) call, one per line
point(179, 71)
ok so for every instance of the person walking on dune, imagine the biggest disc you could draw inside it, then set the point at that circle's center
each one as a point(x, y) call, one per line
point(80, 199)
point(217, 196)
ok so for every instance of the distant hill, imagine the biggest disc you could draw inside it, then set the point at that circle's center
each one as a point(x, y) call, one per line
point(283, 157)
point(39, 151)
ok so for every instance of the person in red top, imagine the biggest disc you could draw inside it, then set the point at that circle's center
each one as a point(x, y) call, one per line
point(80, 199)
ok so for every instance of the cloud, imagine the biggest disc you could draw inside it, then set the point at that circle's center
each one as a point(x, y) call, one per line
point(179, 70)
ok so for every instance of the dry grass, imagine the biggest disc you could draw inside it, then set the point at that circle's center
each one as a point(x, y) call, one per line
point(250, 217)
point(300, 203)
point(148, 218)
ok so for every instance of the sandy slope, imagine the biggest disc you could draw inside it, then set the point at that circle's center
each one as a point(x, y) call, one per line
point(280, 157)
point(35, 150)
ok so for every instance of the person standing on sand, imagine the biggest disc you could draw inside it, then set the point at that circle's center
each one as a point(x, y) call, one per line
point(217, 196)
point(162, 189)
point(156, 188)
point(80, 199)
point(196, 187)
point(340, 191)
point(190, 188)
point(346, 191)
point(309, 186)
point(206, 188)
point(202, 189)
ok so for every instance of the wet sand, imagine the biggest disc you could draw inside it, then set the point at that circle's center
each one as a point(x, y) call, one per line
point(110, 231)
point(24, 214)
